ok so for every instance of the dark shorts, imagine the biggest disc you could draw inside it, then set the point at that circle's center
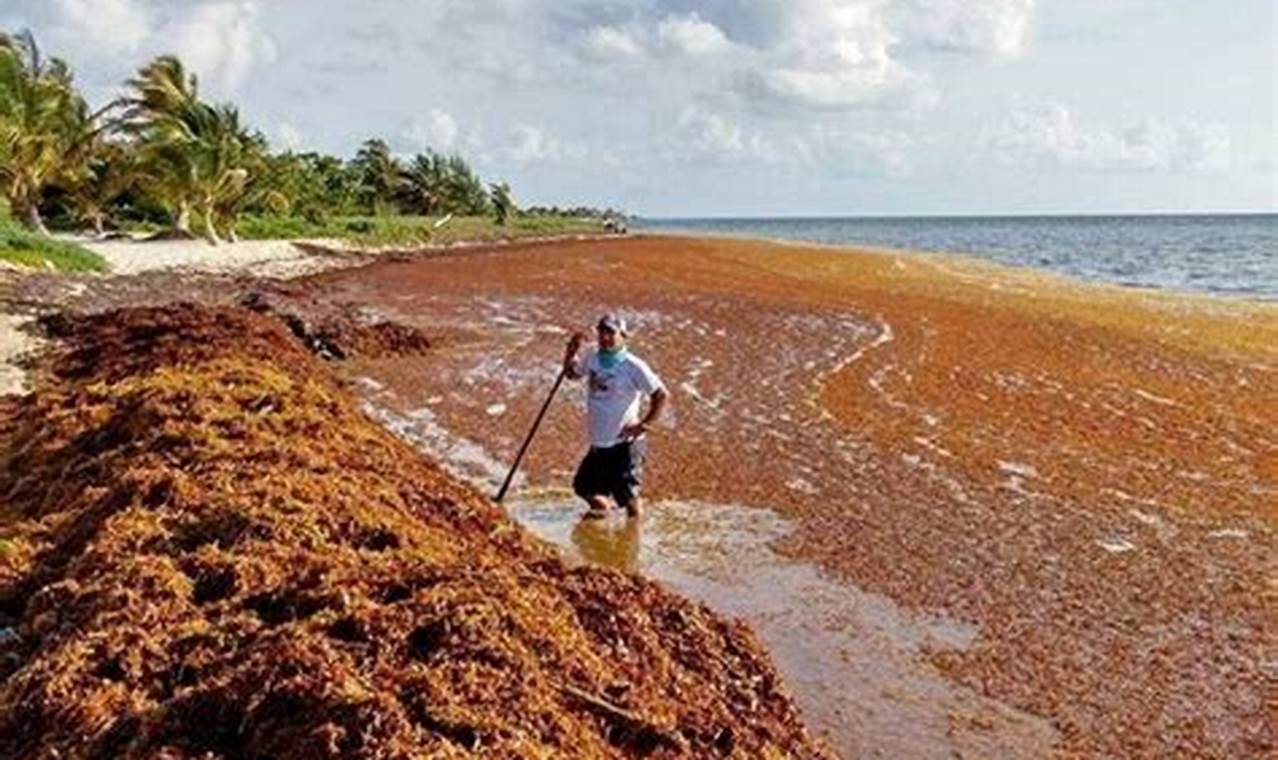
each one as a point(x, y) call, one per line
point(616, 471)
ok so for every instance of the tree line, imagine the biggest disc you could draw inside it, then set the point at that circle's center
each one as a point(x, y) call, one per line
point(163, 154)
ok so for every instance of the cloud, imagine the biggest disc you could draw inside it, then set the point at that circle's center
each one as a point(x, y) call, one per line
point(437, 131)
point(985, 27)
point(1048, 135)
point(529, 145)
point(692, 36)
point(824, 148)
point(832, 56)
point(710, 134)
point(845, 151)
point(610, 43)
point(842, 56)
point(290, 137)
point(222, 42)
point(80, 23)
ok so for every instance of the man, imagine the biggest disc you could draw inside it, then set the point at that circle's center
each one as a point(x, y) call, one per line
point(617, 381)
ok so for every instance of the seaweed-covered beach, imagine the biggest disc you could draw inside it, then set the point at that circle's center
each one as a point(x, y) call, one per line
point(965, 509)
point(1088, 475)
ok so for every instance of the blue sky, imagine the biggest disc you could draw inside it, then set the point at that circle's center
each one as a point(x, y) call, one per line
point(766, 107)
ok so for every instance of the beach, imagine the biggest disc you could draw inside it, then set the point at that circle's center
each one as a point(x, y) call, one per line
point(971, 510)
point(956, 330)
point(1086, 474)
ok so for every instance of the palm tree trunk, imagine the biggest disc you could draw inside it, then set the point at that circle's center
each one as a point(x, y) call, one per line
point(33, 219)
point(182, 224)
point(210, 230)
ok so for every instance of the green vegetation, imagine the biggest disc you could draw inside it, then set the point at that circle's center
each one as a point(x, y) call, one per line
point(45, 127)
point(403, 230)
point(162, 159)
point(30, 249)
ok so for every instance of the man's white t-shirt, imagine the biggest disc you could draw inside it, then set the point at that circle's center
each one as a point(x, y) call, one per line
point(614, 395)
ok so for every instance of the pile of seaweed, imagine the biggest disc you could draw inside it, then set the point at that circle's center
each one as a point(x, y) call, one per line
point(336, 332)
point(207, 551)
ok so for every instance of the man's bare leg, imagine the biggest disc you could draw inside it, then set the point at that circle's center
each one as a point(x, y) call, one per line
point(599, 506)
point(635, 507)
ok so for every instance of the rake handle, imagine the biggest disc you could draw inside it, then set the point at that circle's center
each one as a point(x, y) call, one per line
point(528, 439)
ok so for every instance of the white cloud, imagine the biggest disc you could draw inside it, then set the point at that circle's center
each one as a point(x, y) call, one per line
point(222, 42)
point(861, 152)
point(692, 36)
point(833, 56)
point(290, 137)
point(438, 131)
point(713, 137)
point(1049, 136)
point(80, 23)
point(711, 134)
point(610, 42)
point(990, 27)
point(531, 144)
point(828, 149)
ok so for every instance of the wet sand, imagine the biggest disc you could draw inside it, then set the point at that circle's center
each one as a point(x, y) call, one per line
point(1086, 476)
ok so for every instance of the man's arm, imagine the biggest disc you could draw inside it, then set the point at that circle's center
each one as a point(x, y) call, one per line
point(572, 368)
point(656, 402)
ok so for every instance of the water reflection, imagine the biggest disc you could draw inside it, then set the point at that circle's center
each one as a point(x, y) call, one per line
point(854, 660)
point(611, 542)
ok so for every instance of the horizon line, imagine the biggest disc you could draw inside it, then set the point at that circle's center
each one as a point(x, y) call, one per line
point(956, 215)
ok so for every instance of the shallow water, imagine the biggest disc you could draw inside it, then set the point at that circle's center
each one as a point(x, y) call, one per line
point(854, 661)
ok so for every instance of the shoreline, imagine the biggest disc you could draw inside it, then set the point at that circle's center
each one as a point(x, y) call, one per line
point(971, 257)
point(134, 260)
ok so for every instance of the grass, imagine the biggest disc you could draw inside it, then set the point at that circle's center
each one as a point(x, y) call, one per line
point(28, 249)
point(412, 230)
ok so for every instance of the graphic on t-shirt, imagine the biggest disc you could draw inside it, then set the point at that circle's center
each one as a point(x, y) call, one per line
point(614, 396)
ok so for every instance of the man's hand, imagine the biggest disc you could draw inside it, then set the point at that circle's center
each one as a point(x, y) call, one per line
point(574, 345)
point(570, 353)
point(631, 432)
point(656, 402)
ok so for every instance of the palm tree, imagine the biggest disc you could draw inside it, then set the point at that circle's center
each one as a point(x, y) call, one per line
point(424, 183)
point(44, 125)
point(256, 183)
point(110, 172)
point(503, 203)
point(463, 188)
point(220, 159)
point(381, 175)
point(159, 117)
point(195, 155)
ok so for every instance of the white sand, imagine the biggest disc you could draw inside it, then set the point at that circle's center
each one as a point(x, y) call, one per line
point(266, 258)
point(14, 344)
point(261, 258)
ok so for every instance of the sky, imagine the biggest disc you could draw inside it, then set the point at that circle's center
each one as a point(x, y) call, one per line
point(743, 107)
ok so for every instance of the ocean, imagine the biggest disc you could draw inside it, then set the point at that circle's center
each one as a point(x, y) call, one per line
point(1222, 254)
